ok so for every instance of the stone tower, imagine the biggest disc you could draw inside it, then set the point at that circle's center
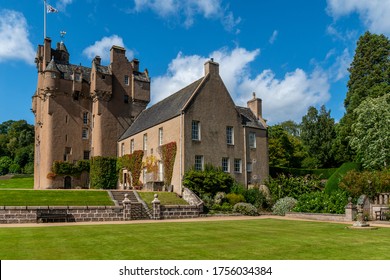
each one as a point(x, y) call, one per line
point(82, 111)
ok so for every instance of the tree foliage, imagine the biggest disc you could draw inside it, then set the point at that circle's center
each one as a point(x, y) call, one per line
point(318, 133)
point(103, 174)
point(371, 132)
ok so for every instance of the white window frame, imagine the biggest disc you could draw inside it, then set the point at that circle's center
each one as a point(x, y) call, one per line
point(126, 80)
point(195, 130)
point(131, 146)
point(237, 165)
point(225, 164)
point(230, 135)
point(85, 118)
point(252, 140)
point(145, 142)
point(84, 133)
point(199, 163)
point(160, 136)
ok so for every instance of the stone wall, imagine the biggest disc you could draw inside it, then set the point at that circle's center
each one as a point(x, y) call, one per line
point(29, 214)
point(179, 211)
point(318, 217)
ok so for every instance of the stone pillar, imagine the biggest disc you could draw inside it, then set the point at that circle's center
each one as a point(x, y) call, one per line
point(126, 208)
point(386, 200)
point(350, 211)
point(380, 198)
point(156, 208)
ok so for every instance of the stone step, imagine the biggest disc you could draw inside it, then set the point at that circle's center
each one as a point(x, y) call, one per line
point(119, 196)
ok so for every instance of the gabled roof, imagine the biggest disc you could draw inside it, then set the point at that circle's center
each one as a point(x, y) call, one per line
point(162, 111)
point(68, 69)
point(248, 118)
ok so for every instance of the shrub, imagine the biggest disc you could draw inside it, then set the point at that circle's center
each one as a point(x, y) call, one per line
point(5, 163)
point(321, 202)
point(284, 205)
point(103, 173)
point(289, 186)
point(369, 183)
point(245, 209)
point(219, 198)
point(208, 181)
point(321, 173)
point(333, 183)
point(225, 207)
point(133, 163)
point(15, 168)
point(233, 198)
point(238, 188)
point(28, 168)
point(256, 198)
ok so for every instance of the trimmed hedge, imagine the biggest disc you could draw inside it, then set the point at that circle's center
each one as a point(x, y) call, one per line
point(325, 173)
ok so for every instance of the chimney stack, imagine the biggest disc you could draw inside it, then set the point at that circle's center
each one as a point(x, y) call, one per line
point(211, 67)
point(255, 104)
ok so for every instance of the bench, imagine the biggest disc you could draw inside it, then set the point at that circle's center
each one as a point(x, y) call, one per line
point(52, 216)
point(382, 214)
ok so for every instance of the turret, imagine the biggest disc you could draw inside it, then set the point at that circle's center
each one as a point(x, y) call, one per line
point(52, 76)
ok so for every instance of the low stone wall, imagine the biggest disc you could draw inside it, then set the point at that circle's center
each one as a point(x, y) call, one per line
point(192, 199)
point(179, 211)
point(28, 214)
point(318, 217)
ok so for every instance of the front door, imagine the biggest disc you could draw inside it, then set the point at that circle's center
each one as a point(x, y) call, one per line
point(67, 182)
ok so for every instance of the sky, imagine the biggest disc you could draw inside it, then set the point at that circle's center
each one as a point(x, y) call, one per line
point(292, 54)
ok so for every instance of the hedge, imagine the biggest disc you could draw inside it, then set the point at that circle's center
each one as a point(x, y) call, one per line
point(333, 183)
point(325, 173)
point(103, 173)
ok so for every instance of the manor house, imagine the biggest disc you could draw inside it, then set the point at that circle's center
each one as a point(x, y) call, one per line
point(81, 112)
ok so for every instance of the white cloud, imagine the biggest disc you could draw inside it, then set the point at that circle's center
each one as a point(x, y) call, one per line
point(339, 69)
point(273, 37)
point(102, 48)
point(189, 9)
point(374, 13)
point(283, 99)
point(14, 42)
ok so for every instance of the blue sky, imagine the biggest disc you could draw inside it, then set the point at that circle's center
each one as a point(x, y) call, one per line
point(293, 54)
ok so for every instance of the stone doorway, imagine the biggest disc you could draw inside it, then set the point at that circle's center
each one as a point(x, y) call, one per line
point(67, 182)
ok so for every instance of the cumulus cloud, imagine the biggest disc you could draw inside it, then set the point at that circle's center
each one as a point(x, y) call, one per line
point(374, 13)
point(283, 99)
point(189, 9)
point(102, 48)
point(14, 42)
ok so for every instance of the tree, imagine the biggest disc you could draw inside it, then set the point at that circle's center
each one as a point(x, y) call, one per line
point(369, 77)
point(371, 132)
point(317, 134)
point(285, 149)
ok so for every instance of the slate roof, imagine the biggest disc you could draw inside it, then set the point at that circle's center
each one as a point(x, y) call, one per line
point(68, 69)
point(162, 111)
point(248, 118)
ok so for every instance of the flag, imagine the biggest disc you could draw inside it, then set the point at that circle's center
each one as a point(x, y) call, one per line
point(51, 9)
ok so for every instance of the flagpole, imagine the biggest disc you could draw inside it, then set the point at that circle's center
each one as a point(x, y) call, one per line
point(44, 20)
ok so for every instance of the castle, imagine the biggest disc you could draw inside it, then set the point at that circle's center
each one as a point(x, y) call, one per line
point(81, 112)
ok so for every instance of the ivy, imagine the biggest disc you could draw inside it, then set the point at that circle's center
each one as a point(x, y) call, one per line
point(168, 153)
point(64, 168)
point(103, 173)
point(133, 163)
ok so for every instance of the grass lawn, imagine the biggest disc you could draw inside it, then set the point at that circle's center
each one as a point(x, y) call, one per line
point(218, 240)
point(54, 197)
point(18, 182)
point(166, 198)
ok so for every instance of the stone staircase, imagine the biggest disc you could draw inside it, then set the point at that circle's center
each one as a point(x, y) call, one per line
point(119, 196)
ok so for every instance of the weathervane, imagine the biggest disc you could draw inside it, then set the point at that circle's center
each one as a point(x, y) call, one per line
point(62, 34)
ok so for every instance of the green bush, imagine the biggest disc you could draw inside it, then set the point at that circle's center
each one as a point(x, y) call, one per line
point(289, 186)
point(234, 198)
point(103, 174)
point(15, 169)
point(256, 197)
point(225, 207)
point(5, 163)
point(321, 202)
point(245, 209)
point(283, 205)
point(369, 183)
point(208, 181)
point(219, 198)
point(333, 183)
point(238, 188)
point(28, 168)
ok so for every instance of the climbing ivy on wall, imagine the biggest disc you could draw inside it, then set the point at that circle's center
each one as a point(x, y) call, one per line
point(64, 168)
point(168, 153)
point(103, 173)
point(133, 163)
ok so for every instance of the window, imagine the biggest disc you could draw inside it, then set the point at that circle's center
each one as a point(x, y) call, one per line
point(85, 133)
point(86, 154)
point(126, 99)
point(160, 171)
point(103, 77)
point(229, 135)
point(252, 140)
point(198, 163)
point(68, 152)
point(195, 130)
point(225, 165)
point(237, 166)
point(122, 149)
point(85, 118)
point(131, 146)
point(160, 136)
point(126, 80)
point(249, 167)
point(53, 75)
point(77, 77)
point(145, 143)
